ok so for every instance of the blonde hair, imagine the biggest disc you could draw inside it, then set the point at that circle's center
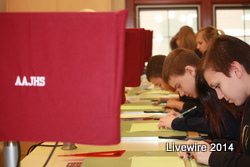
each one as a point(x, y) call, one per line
point(210, 32)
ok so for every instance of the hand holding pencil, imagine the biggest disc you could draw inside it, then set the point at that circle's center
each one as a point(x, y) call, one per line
point(185, 112)
point(166, 122)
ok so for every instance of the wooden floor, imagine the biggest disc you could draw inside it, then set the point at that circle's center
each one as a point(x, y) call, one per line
point(24, 148)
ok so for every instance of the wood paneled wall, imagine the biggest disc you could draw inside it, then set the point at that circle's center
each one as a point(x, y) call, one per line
point(61, 5)
point(206, 8)
point(2, 6)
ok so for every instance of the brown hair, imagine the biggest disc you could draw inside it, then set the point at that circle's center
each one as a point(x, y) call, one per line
point(176, 62)
point(223, 51)
point(210, 32)
point(186, 36)
point(154, 66)
point(214, 112)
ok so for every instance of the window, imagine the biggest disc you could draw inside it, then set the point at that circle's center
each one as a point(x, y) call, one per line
point(233, 20)
point(165, 22)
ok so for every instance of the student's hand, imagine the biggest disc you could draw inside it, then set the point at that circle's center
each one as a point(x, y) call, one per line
point(162, 99)
point(174, 113)
point(167, 99)
point(166, 121)
point(174, 104)
point(158, 102)
point(201, 156)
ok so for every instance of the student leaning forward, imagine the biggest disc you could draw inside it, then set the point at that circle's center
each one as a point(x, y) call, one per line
point(226, 69)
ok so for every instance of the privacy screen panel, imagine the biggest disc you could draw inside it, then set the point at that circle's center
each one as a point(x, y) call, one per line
point(61, 76)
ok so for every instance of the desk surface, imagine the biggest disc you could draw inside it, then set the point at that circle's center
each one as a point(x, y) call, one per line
point(139, 143)
point(135, 144)
point(126, 125)
point(128, 156)
point(149, 94)
point(40, 154)
point(133, 148)
point(140, 106)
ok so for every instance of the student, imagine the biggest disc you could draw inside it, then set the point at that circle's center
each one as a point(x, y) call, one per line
point(185, 38)
point(226, 69)
point(154, 75)
point(179, 71)
point(204, 37)
point(153, 72)
point(217, 110)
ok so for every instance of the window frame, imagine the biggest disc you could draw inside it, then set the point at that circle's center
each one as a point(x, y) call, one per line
point(227, 6)
point(230, 6)
point(193, 6)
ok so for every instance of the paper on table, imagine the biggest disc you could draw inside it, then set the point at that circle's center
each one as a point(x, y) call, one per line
point(157, 96)
point(142, 127)
point(157, 161)
point(140, 107)
point(157, 92)
point(142, 115)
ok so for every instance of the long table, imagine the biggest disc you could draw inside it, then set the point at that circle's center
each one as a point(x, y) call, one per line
point(140, 145)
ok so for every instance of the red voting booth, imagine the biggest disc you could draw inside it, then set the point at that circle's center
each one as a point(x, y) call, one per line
point(138, 50)
point(61, 76)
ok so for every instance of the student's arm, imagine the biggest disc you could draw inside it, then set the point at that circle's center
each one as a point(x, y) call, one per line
point(193, 121)
point(215, 155)
point(176, 104)
point(198, 124)
point(228, 159)
point(182, 105)
point(228, 142)
point(166, 121)
point(202, 125)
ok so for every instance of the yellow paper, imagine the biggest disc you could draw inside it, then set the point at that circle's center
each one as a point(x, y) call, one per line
point(141, 115)
point(157, 161)
point(157, 92)
point(157, 96)
point(145, 127)
point(140, 107)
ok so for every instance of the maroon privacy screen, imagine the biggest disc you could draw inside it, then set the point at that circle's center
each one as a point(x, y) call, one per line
point(138, 50)
point(61, 76)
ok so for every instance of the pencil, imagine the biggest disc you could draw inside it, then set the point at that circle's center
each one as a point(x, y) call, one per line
point(187, 111)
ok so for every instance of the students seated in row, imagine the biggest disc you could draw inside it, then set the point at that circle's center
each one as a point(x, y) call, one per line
point(154, 75)
point(185, 38)
point(205, 35)
point(226, 70)
point(179, 71)
point(153, 72)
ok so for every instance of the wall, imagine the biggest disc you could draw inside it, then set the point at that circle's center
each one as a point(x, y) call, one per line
point(2, 5)
point(118, 5)
point(62, 5)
